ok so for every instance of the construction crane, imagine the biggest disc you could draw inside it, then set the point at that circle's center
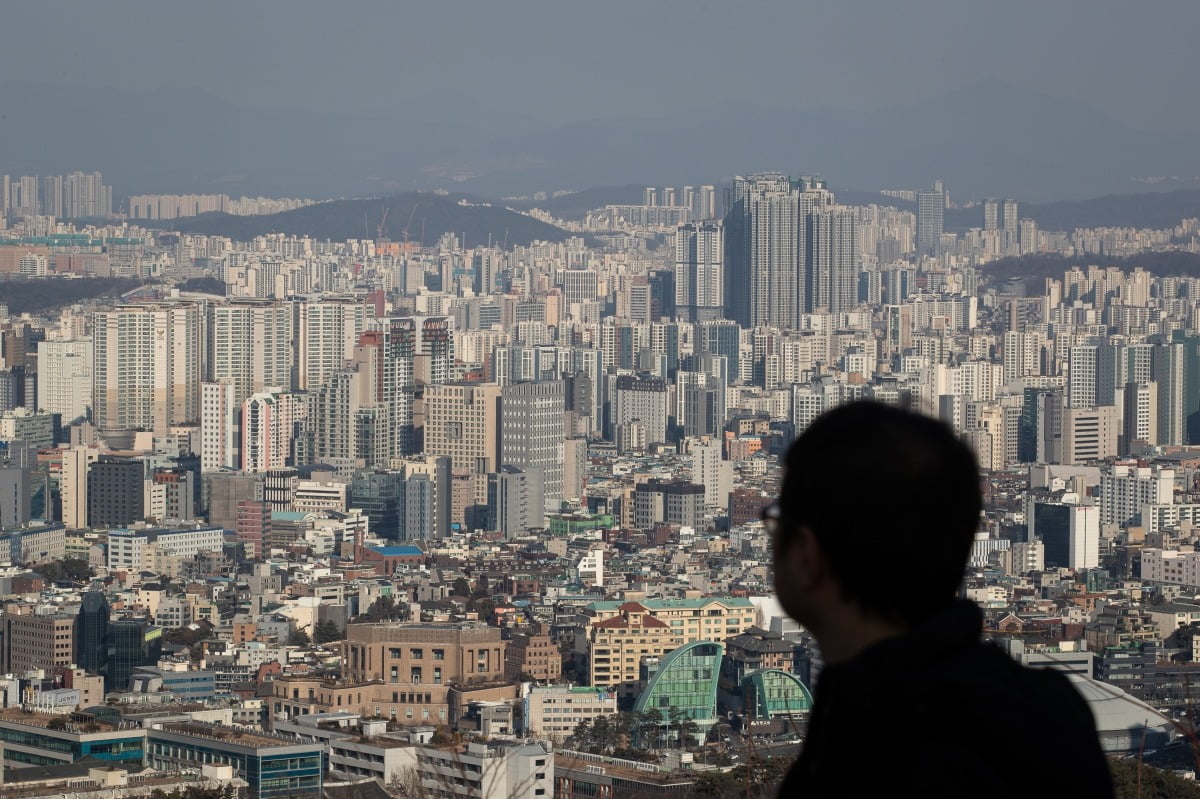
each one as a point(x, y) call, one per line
point(381, 229)
point(409, 223)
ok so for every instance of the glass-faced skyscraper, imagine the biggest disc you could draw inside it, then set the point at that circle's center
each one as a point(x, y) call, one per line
point(931, 215)
point(91, 633)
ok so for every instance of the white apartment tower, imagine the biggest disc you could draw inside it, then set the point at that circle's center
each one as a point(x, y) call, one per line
point(64, 382)
point(268, 426)
point(148, 365)
point(326, 332)
point(251, 343)
point(219, 416)
point(699, 271)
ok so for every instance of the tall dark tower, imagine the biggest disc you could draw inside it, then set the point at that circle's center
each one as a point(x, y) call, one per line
point(91, 633)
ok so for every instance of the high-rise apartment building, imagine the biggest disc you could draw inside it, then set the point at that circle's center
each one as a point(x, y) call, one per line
point(269, 420)
point(769, 259)
point(220, 415)
point(64, 379)
point(148, 366)
point(931, 214)
point(831, 259)
point(250, 342)
point(326, 333)
point(699, 271)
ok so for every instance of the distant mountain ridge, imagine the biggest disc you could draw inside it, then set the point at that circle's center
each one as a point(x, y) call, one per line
point(988, 139)
point(420, 217)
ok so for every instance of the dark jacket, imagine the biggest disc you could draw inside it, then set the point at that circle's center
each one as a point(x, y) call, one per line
point(938, 712)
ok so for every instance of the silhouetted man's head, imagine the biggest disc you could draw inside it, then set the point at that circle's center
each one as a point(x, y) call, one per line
point(885, 502)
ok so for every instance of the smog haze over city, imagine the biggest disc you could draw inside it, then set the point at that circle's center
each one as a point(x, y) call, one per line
point(395, 398)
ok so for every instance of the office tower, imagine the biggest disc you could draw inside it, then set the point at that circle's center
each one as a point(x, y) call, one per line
point(16, 488)
point(91, 633)
point(516, 501)
point(699, 272)
point(723, 338)
point(931, 212)
point(1070, 534)
point(578, 285)
point(326, 332)
point(73, 485)
point(649, 196)
point(641, 402)
point(116, 492)
point(38, 641)
point(251, 343)
point(148, 366)
point(269, 420)
point(425, 501)
point(831, 259)
point(991, 214)
point(64, 384)
point(669, 196)
point(220, 416)
point(1089, 434)
point(462, 423)
point(131, 643)
point(704, 410)
point(532, 432)
point(1141, 416)
point(658, 502)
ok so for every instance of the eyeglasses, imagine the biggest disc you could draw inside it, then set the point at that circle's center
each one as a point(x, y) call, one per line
point(772, 518)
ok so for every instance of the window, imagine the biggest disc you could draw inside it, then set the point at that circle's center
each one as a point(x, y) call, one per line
point(416, 675)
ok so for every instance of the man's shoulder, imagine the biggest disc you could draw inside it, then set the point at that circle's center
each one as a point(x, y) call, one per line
point(975, 681)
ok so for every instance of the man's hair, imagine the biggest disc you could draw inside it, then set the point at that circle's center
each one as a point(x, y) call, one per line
point(893, 500)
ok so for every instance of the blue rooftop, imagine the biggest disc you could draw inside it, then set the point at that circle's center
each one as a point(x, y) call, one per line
point(392, 552)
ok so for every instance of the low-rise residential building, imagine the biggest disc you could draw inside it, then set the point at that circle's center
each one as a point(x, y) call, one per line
point(553, 711)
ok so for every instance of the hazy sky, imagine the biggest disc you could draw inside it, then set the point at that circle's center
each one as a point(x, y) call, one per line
point(528, 63)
